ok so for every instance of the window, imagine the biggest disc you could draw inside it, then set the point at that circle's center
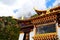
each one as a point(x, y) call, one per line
point(46, 29)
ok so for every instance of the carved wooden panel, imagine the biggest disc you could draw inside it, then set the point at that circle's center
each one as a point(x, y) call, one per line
point(47, 36)
point(45, 20)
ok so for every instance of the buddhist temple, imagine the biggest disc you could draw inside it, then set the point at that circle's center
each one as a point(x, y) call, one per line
point(46, 25)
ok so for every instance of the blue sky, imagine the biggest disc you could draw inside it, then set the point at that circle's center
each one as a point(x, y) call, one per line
point(18, 8)
point(50, 3)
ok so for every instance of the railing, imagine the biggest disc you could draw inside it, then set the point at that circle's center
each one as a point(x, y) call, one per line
point(47, 36)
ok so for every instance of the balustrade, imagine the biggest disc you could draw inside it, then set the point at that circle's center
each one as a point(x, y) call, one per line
point(47, 36)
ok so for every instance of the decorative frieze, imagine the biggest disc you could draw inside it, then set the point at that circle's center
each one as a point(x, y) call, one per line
point(45, 20)
point(47, 36)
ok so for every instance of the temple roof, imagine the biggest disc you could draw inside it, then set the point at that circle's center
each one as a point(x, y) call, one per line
point(55, 10)
point(39, 12)
point(51, 13)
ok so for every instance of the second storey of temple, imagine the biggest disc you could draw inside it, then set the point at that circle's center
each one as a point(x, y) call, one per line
point(46, 25)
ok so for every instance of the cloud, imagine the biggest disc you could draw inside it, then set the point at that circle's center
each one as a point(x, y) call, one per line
point(56, 3)
point(27, 8)
point(7, 10)
point(49, 3)
point(8, 2)
point(39, 4)
point(24, 7)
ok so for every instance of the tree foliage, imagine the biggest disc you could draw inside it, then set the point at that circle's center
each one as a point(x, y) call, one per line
point(34, 15)
point(9, 29)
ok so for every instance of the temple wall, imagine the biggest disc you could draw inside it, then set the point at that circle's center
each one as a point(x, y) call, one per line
point(21, 36)
point(31, 35)
point(58, 31)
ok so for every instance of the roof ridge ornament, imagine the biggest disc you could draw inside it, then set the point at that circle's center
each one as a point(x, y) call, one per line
point(35, 8)
point(42, 14)
point(22, 18)
point(48, 11)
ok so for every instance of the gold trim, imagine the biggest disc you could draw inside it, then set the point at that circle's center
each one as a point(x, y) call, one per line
point(46, 24)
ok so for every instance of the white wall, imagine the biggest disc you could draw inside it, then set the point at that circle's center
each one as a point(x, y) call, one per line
point(31, 35)
point(58, 31)
point(21, 36)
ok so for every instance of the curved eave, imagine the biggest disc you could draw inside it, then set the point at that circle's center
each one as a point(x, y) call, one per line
point(40, 11)
point(51, 13)
point(55, 8)
point(44, 11)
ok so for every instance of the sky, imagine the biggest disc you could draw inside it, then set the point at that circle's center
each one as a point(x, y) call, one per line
point(18, 8)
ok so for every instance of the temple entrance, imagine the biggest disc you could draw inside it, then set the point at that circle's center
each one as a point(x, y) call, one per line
point(46, 25)
point(26, 32)
point(26, 36)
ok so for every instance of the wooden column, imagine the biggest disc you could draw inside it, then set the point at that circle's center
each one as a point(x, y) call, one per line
point(26, 36)
point(34, 29)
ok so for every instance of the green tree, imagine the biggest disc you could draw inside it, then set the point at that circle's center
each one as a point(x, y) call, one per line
point(10, 30)
point(34, 15)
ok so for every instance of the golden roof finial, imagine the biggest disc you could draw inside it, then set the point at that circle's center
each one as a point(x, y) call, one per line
point(35, 8)
point(22, 18)
point(48, 11)
point(42, 14)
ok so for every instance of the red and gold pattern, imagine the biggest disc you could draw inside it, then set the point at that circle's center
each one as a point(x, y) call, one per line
point(46, 36)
